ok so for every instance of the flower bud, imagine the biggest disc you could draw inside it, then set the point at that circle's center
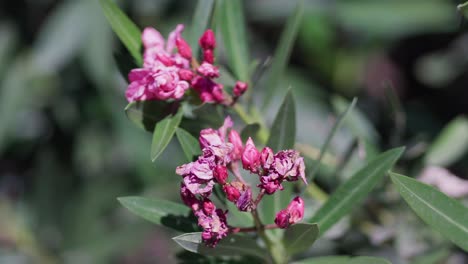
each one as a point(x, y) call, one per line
point(218, 93)
point(184, 48)
point(208, 40)
point(282, 219)
point(250, 156)
point(244, 203)
point(296, 210)
point(208, 56)
point(232, 194)
point(236, 141)
point(220, 174)
point(240, 88)
point(208, 207)
point(164, 59)
point(185, 74)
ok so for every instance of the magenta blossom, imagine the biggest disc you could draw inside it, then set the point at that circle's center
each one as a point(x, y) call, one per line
point(222, 152)
point(250, 156)
point(292, 214)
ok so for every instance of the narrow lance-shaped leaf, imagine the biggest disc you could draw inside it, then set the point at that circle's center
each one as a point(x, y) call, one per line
point(333, 131)
point(160, 212)
point(450, 145)
point(354, 190)
point(282, 137)
point(250, 130)
point(126, 30)
point(343, 260)
point(230, 17)
point(163, 133)
point(188, 143)
point(283, 130)
point(200, 20)
point(283, 53)
point(300, 237)
point(442, 213)
point(232, 245)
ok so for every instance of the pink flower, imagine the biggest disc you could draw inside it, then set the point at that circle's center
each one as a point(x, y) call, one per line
point(158, 52)
point(250, 156)
point(292, 214)
point(220, 174)
point(236, 141)
point(232, 194)
point(205, 87)
point(167, 84)
point(184, 48)
point(208, 206)
point(185, 74)
point(290, 165)
point(209, 137)
point(188, 198)
point(208, 56)
point(296, 210)
point(162, 84)
point(271, 183)
point(282, 219)
point(207, 40)
point(214, 226)
point(208, 70)
point(240, 88)
point(266, 158)
point(227, 124)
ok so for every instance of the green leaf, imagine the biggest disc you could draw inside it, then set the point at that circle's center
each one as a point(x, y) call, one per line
point(189, 144)
point(145, 114)
point(283, 130)
point(343, 260)
point(434, 256)
point(450, 145)
point(250, 130)
point(442, 213)
point(355, 190)
point(163, 133)
point(126, 30)
point(238, 218)
point(282, 137)
point(283, 53)
point(333, 131)
point(200, 20)
point(160, 212)
point(300, 237)
point(232, 245)
point(357, 122)
point(230, 17)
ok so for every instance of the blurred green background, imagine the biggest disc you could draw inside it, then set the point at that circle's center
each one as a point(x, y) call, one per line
point(67, 150)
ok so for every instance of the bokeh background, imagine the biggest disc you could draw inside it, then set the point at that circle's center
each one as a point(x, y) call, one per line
point(67, 149)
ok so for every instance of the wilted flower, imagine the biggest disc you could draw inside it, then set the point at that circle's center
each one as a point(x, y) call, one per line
point(222, 149)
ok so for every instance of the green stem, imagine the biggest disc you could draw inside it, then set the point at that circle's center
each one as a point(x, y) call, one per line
point(276, 251)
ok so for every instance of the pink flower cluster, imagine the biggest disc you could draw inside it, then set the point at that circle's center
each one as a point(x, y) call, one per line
point(222, 152)
point(168, 73)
